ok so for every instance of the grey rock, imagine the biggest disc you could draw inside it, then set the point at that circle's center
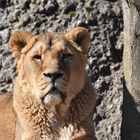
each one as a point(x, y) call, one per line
point(5, 34)
point(70, 7)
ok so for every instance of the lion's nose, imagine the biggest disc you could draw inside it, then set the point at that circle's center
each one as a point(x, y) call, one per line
point(53, 76)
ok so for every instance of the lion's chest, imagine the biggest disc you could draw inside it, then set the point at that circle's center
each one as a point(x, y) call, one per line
point(63, 133)
point(43, 124)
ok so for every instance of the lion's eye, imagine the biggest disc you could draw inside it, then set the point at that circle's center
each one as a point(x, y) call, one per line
point(37, 57)
point(67, 57)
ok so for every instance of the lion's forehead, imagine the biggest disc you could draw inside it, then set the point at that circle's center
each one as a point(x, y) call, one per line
point(58, 45)
point(53, 43)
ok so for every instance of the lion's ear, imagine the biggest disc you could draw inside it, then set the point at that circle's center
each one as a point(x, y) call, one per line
point(18, 41)
point(80, 36)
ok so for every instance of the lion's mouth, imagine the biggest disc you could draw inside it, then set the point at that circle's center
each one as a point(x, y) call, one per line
point(53, 97)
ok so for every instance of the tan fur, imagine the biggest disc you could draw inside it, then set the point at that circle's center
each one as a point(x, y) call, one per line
point(7, 117)
point(47, 109)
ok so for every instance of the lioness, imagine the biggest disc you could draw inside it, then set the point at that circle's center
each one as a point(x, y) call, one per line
point(53, 98)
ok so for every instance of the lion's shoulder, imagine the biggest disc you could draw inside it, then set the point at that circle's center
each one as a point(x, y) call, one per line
point(7, 117)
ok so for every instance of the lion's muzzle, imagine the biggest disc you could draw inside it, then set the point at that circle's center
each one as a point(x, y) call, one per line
point(53, 97)
point(53, 76)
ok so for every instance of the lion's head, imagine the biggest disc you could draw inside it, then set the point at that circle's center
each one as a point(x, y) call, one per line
point(51, 66)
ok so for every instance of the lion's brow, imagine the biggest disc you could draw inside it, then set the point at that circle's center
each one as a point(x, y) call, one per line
point(61, 42)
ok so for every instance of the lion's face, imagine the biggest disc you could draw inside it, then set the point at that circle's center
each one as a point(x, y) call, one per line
point(51, 65)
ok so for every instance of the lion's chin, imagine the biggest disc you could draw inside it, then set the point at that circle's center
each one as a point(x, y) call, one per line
point(53, 97)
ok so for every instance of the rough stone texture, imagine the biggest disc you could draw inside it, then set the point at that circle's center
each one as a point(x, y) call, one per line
point(103, 18)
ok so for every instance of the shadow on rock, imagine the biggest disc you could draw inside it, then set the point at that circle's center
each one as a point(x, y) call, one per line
point(131, 118)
